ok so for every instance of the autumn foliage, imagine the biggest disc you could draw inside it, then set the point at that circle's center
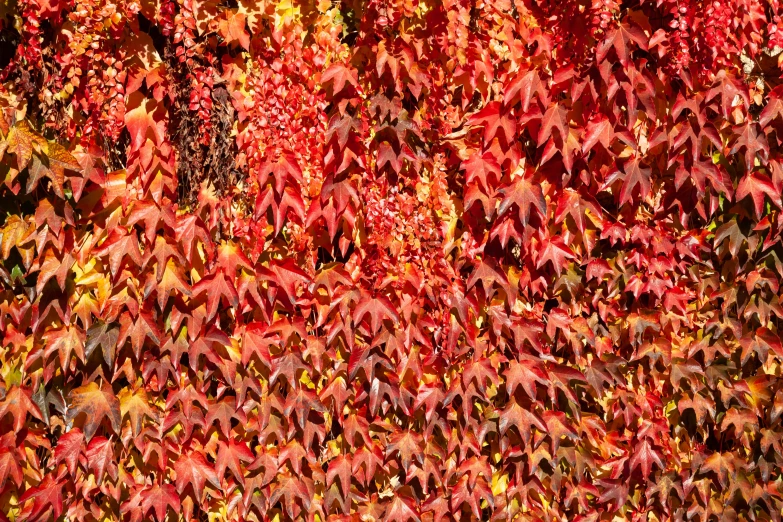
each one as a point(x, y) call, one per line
point(393, 260)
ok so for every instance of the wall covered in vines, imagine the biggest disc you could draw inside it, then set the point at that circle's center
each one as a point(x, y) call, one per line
point(400, 260)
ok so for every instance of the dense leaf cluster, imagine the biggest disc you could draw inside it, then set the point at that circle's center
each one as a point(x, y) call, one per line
point(391, 260)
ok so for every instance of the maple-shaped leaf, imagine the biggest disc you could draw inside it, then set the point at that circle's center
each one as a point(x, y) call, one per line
point(59, 159)
point(136, 405)
point(645, 455)
point(480, 371)
point(525, 85)
point(774, 107)
point(732, 232)
point(289, 277)
point(159, 498)
point(119, 245)
point(193, 470)
point(100, 458)
point(576, 205)
point(46, 496)
point(621, 38)
point(408, 445)
point(338, 74)
point(702, 406)
point(523, 419)
point(232, 29)
point(494, 117)
point(489, 273)
point(722, 464)
point(18, 403)
point(188, 229)
point(730, 89)
point(599, 130)
point(739, 418)
point(635, 175)
point(558, 427)
point(171, 279)
point(401, 509)
point(11, 466)
point(525, 194)
point(69, 448)
point(757, 185)
point(340, 468)
point(463, 493)
point(22, 141)
point(482, 167)
point(216, 286)
point(230, 456)
point(754, 142)
point(554, 250)
point(378, 307)
point(65, 341)
point(143, 114)
point(525, 373)
point(556, 116)
point(104, 335)
point(291, 488)
point(96, 403)
point(138, 331)
point(301, 402)
point(55, 266)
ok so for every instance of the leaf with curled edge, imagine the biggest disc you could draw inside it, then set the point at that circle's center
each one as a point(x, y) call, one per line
point(104, 335)
point(100, 458)
point(757, 185)
point(599, 130)
point(65, 341)
point(22, 140)
point(69, 448)
point(11, 466)
point(95, 403)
